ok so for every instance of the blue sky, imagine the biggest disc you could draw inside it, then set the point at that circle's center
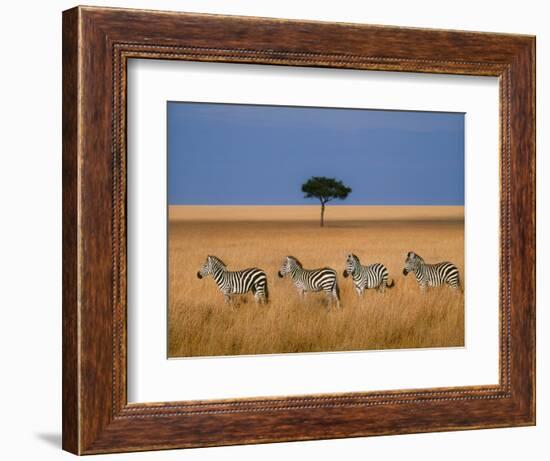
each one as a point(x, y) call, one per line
point(236, 154)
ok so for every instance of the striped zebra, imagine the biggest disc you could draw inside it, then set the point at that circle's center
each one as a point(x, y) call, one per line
point(365, 277)
point(236, 282)
point(431, 275)
point(306, 280)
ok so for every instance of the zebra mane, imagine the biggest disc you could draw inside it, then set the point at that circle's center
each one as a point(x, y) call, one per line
point(413, 255)
point(215, 258)
point(296, 260)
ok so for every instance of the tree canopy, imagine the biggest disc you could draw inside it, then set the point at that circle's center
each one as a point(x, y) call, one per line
point(325, 189)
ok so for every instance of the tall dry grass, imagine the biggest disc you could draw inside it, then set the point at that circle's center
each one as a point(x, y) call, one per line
point(200, 324)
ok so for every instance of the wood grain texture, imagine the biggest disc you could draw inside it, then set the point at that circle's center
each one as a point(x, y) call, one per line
point(97, 42)
point(70, 384)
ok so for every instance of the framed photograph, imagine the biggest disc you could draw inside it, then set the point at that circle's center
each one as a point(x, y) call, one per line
point(282, 230)
point(244, 193)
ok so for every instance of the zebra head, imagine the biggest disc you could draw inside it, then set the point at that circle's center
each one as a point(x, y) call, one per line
point(412, 263)
point(289, 264)
point(352, 263)
point(209, 266)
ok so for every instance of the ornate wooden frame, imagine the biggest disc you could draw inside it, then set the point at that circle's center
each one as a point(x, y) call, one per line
point(97, 43)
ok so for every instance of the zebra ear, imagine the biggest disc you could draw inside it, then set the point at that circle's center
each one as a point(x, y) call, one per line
point(411, 254)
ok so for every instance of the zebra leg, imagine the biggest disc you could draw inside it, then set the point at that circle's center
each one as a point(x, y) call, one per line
point(265, 293)
point(260, 296)
point(329, 297)
point(382, 287)
point(227, 298)
point(359, 291)
point(455, 285)
point(255, 293)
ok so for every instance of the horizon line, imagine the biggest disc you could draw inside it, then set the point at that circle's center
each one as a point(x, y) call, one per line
point(313, 204)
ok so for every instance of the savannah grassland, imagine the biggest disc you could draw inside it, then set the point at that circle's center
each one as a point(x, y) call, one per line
point(201, 324)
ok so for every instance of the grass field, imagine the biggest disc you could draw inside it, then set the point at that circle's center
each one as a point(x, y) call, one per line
point(200, 324)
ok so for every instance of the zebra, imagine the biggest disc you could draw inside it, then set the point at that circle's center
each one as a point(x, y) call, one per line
point(306, 280)
point(365, 277)
point(236, 282)
point(431, 275)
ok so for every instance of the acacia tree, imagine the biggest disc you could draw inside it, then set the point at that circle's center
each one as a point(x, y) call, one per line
point(325, 189)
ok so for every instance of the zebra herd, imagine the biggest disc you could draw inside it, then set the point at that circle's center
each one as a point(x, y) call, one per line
point(373, 276)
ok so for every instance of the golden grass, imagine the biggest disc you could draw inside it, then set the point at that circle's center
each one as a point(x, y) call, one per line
point(200, 324)
point(311, 213)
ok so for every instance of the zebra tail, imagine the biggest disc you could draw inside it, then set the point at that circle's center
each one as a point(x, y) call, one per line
point(390, 283)
point(337, 290)
point(266, 293)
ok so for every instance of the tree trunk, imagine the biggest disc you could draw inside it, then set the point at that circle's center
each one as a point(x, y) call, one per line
point(322, 214)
